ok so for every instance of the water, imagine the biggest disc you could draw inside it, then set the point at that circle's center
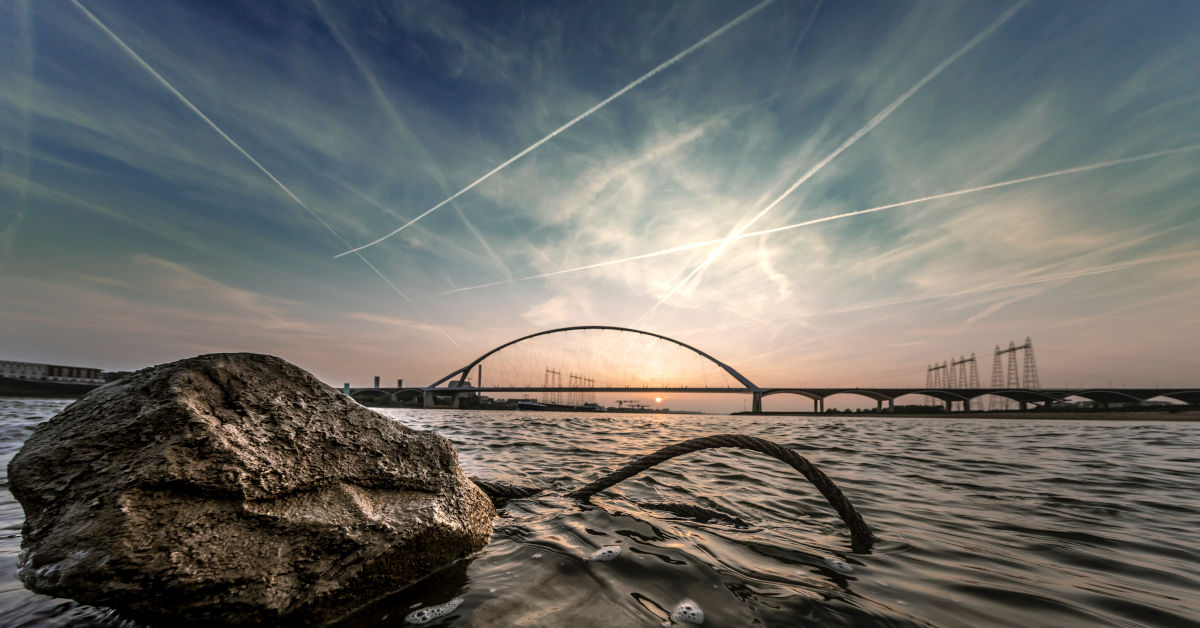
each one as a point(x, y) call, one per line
point(1031, 523)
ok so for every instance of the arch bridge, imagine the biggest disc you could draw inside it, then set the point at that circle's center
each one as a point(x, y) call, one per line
point(457, 383)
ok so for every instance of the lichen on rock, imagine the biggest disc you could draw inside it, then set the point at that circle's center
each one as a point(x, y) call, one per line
point(236, 488)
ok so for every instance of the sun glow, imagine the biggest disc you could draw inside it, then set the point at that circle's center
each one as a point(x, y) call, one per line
point(658, 400)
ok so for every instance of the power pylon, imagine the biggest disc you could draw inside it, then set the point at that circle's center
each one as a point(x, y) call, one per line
point(960, 376)
point(1031, 374)
point(996, 402)
point(1026, 377)
point(936, 375)
point(552, 379)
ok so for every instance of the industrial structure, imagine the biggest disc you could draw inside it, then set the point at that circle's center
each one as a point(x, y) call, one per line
point(954, 383)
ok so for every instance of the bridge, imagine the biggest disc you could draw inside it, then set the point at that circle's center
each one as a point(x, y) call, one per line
point(667, 365)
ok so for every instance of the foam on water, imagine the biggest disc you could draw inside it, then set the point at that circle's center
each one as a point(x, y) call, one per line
point(430, 613)
point(687, 611)
point(981, 523)
point(838, 564)
point(606, 553)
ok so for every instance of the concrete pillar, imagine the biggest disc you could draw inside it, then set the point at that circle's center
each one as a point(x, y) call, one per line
point(816, 405)
point(427, 399)
point(1024, 405)
point(892, 405)
point(756, 405)
point(949, 406)
point(822, 406)
point(377, 381)
point(966, 405)
point(346, 388)
point(399, 383)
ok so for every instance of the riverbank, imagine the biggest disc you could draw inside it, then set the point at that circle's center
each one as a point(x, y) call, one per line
point(1164, 413)
point(10, 387)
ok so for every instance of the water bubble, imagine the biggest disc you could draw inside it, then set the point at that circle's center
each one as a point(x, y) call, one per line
point(430, 613)
point(688, 611)
point(606, 553)
point(838, 564)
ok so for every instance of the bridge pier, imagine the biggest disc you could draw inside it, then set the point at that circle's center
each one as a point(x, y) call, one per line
point(756, 404)
point(949, 406)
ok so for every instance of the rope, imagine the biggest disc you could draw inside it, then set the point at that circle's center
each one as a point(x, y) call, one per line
point(860, 533)
point(500, 491)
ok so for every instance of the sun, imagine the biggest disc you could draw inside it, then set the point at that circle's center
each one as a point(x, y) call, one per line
point(658, 400)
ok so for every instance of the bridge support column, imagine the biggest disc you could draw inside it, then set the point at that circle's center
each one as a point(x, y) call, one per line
point(879, 405)
point(427, 399)
point(949, 406)
point(756, 404)
point(966, 405)
point(892, 406)
point(1024, 405)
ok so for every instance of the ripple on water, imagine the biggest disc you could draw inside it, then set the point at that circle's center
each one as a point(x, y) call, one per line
point(979, 523)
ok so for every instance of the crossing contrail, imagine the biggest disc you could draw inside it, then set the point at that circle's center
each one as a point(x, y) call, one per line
point(179, 95)
point(1061, 276)
point(401, 125)
point(615, 95)
point(871, 124)
point(814, 221)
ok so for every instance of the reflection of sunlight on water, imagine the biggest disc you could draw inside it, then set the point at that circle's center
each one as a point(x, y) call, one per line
point(979, 523)
point(943, 495)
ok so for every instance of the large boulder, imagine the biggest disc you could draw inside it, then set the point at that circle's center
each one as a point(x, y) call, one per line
point(236, 488)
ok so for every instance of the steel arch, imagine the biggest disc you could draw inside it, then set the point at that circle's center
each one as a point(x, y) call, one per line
point(464, 371)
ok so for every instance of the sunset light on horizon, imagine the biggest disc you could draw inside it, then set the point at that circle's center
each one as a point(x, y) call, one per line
point(811, 192)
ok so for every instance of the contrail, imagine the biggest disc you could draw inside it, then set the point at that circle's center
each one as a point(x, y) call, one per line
point(981, 188)
point(22, 52)
point(806, 223)
point(402, 125)
point(615, 95)
point(875, 121)
point(171, 88)
point(1063, 276)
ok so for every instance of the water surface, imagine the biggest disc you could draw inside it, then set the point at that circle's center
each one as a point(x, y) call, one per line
point(1033, 523)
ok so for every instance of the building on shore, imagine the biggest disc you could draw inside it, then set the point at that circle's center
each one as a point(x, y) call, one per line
point(52, 373)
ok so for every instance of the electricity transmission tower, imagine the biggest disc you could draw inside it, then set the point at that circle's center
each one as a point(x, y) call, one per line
point(552, 379)
point(1012, 377)
point(936, 376)
point(964, 372)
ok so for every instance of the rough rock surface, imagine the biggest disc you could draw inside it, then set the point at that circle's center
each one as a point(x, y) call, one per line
point(236, 488)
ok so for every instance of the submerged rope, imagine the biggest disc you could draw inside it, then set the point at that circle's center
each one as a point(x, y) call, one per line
point(499, 491)
point(860, 533)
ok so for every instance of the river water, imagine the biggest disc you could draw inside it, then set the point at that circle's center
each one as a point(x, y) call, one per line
point(980, 522)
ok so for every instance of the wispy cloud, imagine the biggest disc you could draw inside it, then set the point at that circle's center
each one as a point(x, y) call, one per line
point(593, 109)
point(816, 221)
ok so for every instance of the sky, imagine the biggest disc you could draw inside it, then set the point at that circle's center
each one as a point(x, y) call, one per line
point(815, 193)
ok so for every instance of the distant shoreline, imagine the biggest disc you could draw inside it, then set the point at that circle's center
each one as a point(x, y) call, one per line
point(33, 389)
point(1166, 413)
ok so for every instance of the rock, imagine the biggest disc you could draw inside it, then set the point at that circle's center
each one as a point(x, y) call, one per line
point(236, 489)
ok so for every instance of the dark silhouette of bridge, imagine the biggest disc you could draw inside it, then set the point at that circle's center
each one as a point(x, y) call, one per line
point(447, 391)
